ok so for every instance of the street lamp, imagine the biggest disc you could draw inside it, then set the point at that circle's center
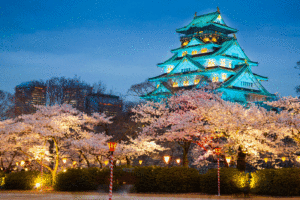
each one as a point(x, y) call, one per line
point(64, 160)
point(167, 159)
point(140, 162)
point(112, 146)
point(283, 158)
point(228, 158)
point(217, 152)
point(266, 160)
point(74, 163)
point(106, 162)
point(178, 161)
point(22, 163)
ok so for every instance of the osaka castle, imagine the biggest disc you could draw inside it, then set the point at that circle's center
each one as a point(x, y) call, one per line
point(210, 52)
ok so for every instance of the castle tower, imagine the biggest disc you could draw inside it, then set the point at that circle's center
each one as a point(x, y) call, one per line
point(210, 52)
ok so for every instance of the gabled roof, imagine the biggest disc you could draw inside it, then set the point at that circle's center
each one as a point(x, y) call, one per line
point(228, 83)
point(190, 60)
point(168, 61)
point(206, 20)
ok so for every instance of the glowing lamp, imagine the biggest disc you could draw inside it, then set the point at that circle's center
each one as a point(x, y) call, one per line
point(64, 170)
point(140, 161)
point(228, 158)
point(266, 160)
point(64, 160)
point(106, 162)
point(178, 160)
point(22, 163)
point(298, 158)
point(112, 146)
point(167, 159)
point(283, 159)
point(37, 185)
point(74, 162)
point(17, 163)
point(218, 151)
point(26, 169)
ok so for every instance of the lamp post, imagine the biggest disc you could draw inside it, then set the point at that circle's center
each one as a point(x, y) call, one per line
point(217, 152)
point(228, 158)
point(178, 161)
point(112, 146)
point(167, 160)
point(64, 161)
point(140, 162)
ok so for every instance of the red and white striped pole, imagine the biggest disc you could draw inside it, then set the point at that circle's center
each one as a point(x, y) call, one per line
point(111, 175)
point(112, 146)
point(218, 176)
point(218, 151)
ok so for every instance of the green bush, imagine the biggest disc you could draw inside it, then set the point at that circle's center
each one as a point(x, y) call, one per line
point(25, 180)
point(178, 180)
point(76, 180)
point(232, 181)
point(276, 182)
point(146, 179)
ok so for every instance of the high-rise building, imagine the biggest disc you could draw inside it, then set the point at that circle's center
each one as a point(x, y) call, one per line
point(210, 52)
point(103, 103)
point(29, 94)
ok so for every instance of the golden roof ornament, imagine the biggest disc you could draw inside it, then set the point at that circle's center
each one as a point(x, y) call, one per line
point(218, 10)
point(234, 36)
point(246, 62)
point(195, 14)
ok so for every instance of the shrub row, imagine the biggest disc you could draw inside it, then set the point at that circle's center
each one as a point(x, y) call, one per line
point(276, 182)
point(170, 180)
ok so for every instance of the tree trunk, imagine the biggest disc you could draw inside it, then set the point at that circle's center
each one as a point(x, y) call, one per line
point(127, 161)
point(185, 146)
point(85, 158)
point(241, 161)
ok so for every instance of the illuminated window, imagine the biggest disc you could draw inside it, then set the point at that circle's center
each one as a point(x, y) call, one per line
point(211, 63)
point(204, 50)
point(175, 84)
point(185, 43)
point(206, 39)
point(170, 68)
point(186, 83)
point(229, 64)
point(184, 53)
point(194, 52)
point(196, 81)
point(222, 63)
point(157, 86)
point(215, 79)
point(224, 76)
point(214, 39)
point(200, 32)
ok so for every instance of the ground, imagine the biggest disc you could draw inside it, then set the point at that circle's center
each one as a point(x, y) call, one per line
point(33, 195)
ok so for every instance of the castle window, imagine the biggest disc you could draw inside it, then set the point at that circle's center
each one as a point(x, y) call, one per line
point(170, 68)
point(224, 76)
point(184, 53)
point(175, 84)
point(186, 83)
point(194, 52)
point(196, 81)
point(229, 64)
point(204, 50)
point(185, 43)
point(214, 39)
point(215, 79)
point(157, 86)
point(222, 63)
point(211, 63)
point(186, 70)
point(246, 84)
point(206, 39)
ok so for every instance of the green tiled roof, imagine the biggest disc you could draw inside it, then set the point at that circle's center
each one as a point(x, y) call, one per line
point(205, 20)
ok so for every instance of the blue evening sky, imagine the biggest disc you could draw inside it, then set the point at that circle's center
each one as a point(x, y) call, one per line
point(120, 42)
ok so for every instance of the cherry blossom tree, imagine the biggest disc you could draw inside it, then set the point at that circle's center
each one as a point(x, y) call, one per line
point(68, 128)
